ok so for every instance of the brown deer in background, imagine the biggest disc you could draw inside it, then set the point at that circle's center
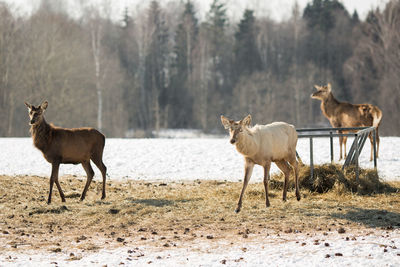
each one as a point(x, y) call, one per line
point(343, 114)
point(67, 146)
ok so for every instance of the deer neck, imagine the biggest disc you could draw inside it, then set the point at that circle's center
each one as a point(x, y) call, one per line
point(247, 144)
point(41, 135)
point(329, 105)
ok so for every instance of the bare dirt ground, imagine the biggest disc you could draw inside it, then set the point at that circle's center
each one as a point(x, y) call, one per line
point(174, 214)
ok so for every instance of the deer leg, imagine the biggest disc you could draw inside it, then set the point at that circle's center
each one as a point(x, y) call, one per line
point(293, 162)
point(371, 139)
point(284, 167)
point(99, 163)
point(60, 190)
point(266, 178)
point(344, 144)
point(248, 169)
point(90, 173)
point(53, 178)
point(340, 146)
point(372, 143)
point(377, 143)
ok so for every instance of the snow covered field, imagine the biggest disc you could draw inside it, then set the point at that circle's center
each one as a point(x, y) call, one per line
point(182, 159)
point(377, 249)
point(210, 158)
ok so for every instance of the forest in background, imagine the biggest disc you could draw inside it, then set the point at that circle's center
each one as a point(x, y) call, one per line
point(161, 67)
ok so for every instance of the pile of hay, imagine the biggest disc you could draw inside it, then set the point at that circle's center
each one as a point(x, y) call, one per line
point(331, 177)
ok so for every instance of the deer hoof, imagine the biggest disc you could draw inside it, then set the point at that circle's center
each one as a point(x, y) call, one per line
point(237, 210)
point(267, 204)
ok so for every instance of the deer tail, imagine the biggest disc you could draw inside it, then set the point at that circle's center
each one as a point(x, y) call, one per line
point(377, 116)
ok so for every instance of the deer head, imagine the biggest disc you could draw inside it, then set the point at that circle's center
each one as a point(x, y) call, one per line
point(322, 92)
point(235, 127)
point(36, 113)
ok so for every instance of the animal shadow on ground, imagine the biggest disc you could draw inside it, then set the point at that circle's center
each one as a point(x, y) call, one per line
point(160, 202)
point(372, 217)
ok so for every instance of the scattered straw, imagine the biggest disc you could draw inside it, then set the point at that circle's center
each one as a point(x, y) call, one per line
point(159, 214)
point(330, 177)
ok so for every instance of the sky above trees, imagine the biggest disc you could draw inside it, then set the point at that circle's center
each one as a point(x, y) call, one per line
point(275, 9)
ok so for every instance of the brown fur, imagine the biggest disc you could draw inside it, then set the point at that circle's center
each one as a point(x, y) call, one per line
point(343, 114)
point(67, 146)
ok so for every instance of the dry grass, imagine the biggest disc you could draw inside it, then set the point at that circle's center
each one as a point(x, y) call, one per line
point(330, 177)
point(174, 214)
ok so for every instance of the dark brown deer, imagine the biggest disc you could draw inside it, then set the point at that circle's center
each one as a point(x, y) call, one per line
point(67, 146)
point(343, 114)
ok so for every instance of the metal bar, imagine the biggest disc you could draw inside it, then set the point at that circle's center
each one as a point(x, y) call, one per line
point(331, 129)
point(325, 135)
point(311, 158)
point(368, 130)
point(353, 157)
point(331, 140)
point(374, 145)
point(361, 142)
point(349, 157)
point(356, 155)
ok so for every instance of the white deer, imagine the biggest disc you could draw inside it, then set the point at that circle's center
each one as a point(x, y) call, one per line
point(263, 144)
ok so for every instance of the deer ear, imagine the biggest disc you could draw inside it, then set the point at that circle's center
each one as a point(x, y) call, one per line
point(316, 87)
point(225, 122)
point(329, 87)
point(28, 105)
point(44, 105)
point(246, 121)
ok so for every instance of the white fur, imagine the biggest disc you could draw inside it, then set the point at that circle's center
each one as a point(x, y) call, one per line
point(377, 119)
point(263, 144)
point(271, 142)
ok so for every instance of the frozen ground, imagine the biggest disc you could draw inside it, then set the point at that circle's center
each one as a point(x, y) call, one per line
point(379, 248)
point(182, 159)
point(209, 158)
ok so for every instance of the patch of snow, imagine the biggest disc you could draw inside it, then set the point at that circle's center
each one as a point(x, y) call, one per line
point(379, 249)
point(183, 159)
point(209, 158)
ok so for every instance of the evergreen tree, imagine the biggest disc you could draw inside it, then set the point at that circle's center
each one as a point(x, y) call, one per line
point(354, 18)
point(326, 42)
point(180, 93)
point(156, 58)
point(129, 57)
point(247, 58)
point(216, 24)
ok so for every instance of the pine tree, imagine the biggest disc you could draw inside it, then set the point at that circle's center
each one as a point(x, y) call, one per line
point(218, 44)
point(156, 58)
point(326, 42)
point(247, 58)
point(128, 54)
point(181, 88)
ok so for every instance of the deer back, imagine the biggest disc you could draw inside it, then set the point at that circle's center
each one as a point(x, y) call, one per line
point(276, 141)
